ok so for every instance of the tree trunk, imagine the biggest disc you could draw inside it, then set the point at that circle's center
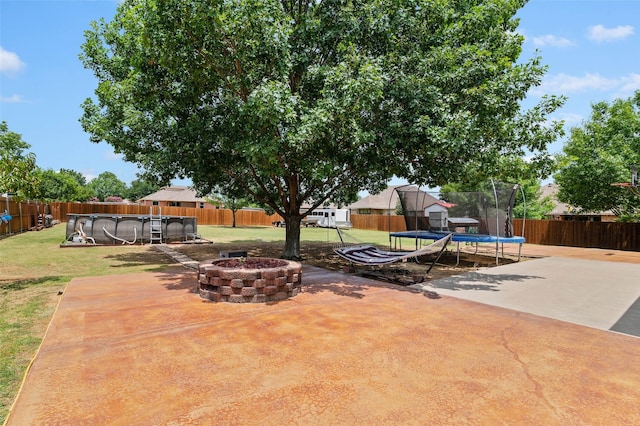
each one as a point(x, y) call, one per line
point(292, 242)
point(233, 215)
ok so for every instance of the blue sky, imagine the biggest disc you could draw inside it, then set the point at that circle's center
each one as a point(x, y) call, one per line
point(590, 46)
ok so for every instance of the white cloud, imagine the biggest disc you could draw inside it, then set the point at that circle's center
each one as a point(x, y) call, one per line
point(551, 40)
point(571, 119)
point(89, 175)
point(629, 84)
point(600, 33)
point(565, 84)
point(14, 99)
point(10, 62)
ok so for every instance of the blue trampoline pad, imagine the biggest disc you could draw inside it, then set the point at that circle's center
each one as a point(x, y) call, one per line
point(458, 237)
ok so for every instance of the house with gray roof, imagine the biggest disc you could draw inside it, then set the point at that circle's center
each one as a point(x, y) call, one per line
point(176, 196)
point(385, 202)
point(563, 211)
point(382, 203)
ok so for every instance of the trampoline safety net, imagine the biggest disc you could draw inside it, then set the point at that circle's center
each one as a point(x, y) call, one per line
point(488, 212)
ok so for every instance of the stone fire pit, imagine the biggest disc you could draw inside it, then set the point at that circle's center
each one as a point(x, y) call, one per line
point(249, 280)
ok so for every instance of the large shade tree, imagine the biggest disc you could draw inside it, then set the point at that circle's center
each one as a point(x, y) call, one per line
point(600, 152)
point(309, 101)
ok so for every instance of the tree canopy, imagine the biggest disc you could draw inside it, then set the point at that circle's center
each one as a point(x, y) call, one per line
point(64, 185)
point(601, 152)
point(16, 165)
point(513, 169)
point(292, 102)
point(107, 184)
point(79, 177)
point(140, 188)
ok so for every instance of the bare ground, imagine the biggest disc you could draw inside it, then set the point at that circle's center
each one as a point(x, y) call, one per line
point(321, 255)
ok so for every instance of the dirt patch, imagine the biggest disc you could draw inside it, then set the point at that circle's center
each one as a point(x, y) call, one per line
point(322, 255)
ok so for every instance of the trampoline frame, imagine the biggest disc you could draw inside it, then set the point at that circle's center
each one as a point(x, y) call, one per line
point(418, 235)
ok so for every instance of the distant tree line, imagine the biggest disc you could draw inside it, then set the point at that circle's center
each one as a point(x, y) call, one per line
point(598, 153)
point(70, 185)
point(23, 179)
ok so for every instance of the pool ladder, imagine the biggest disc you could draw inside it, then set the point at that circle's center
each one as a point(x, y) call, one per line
point(155, 226)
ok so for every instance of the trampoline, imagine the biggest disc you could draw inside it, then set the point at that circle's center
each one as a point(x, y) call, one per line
point(459, 238)
point(484, 216)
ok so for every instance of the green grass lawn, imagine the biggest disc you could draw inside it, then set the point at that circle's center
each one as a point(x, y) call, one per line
point(221, 234)
point(33, 269)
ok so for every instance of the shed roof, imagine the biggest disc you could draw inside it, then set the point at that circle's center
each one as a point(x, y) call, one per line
point(442, 204)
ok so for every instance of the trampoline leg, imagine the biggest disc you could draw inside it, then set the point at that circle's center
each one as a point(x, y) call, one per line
point(458, 254)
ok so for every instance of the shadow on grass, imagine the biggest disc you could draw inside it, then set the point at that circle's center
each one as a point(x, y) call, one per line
point(16, 285)
point(130, 260)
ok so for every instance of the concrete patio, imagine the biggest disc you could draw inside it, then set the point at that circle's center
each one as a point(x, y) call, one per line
point(145, 349)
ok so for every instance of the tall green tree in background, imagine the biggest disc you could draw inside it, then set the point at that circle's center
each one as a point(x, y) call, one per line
point(17, 167)
point(64, 185)
point(141, 188)
point(600, 152)
point(529, 202)
point(310, 101)
point(79, 177)
point(106, 185)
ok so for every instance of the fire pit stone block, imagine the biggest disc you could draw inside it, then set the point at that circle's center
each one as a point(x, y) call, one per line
point(248, 280)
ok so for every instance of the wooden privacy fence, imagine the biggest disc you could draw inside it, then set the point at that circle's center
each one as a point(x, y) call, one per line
point(24, 215)
point(606, 235)
point(377, 222)
point(203, 216)
point(217, 216)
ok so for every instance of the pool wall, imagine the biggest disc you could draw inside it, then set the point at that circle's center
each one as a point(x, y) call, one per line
point(116, 229)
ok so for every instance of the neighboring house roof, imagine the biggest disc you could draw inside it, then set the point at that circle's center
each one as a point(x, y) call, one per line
point(385, 200)
point(559, 208)
point(175, 194)
point(563, 209)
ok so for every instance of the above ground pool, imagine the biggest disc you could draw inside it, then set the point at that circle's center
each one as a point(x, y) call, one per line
point(129, 229)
